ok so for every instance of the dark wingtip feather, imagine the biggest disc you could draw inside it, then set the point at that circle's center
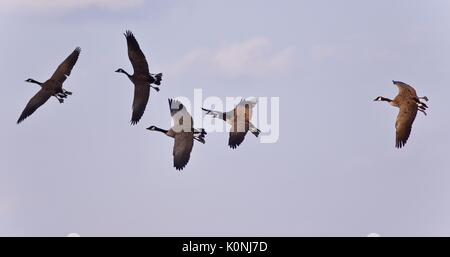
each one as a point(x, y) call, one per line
point(180, 167)
point(22, 118)
point(78, 49)
point(233, 145)
point(175, 105)
point(128, 34)
point(399, 144)
point(171, 100)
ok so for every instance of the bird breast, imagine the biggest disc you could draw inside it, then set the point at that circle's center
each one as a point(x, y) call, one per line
point(52, 85)
point(394, 103)
point(171, 133)
point(141, 77)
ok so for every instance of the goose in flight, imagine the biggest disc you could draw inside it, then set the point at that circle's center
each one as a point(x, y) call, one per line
point(409, 103)
point(239, 119)
point(141, 78)
point(183, 132)
point(51, 87)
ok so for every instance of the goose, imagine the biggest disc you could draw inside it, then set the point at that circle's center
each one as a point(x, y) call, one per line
point(409, 103)
point(239, 119)
point(51, 87)
point(142, 78)
point(183, 133)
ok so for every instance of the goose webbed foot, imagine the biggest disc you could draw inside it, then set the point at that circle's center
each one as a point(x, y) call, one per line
point(200, 139)
point(201, 131)
point(60, 100)
point(199, 135)
point(423, 105)
point(155, 88)
point(67, 92)
point(419, 103)
point(61, 95)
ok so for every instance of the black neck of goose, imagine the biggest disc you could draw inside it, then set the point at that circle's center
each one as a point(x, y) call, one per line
point(35, 82)
point(161, 130)
point(385, 99)
point(126, 73)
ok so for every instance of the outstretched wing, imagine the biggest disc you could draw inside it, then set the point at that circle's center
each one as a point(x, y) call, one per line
point(236, 138)
point(238, 132)
point(35, 102)
point(240, 124)
point(404, 88)
point(140, 100)
point(403, 125)
point(244, 109)
point(64, 69)
point(182, 148)
point(135, 54)
point(182, 119)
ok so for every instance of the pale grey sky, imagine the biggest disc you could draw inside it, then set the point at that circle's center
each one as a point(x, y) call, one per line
point(79, 167)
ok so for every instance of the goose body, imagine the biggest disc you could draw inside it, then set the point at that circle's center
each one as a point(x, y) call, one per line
point(51, 87)
point(183, 134)
point(239, 120)
point(141, 78)
point(408, 103)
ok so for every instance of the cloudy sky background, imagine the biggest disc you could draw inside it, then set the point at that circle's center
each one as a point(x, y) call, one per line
point(79, 167)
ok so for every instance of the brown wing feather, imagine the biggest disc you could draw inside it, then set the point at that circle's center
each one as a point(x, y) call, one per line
point(66, 66)
point(35, 102)
point(236, 138)
point(243, 112)
point(405, 89)
point(135, 54)
point(240, 126)
point(141, 96)
point(238, 132)
point(405, 119)
point(184, 142)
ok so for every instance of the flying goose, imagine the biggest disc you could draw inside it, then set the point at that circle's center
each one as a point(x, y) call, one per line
point(51, 87)
point(142, 78)
point(409, 103)
point(183, 132)
point(239, 119)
